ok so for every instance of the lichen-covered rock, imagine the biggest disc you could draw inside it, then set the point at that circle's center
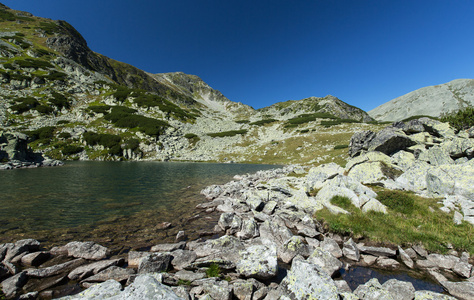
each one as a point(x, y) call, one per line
point(373, 290)
point(400, 290)
point(92, 269)
point(436, 156)
point(105, 290)
point(325, 260)
point(360, 142)
point(318, 175)
point(331, 246)
point(462, 290)
point(154, 263)
point(294, 246)
point(350, 250)
point(258, 261)
point(430, 295)
point(274, 231)
point(86, 250)
point(307, 281)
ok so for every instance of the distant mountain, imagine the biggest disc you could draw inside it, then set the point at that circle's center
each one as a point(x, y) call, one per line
point(429, 101)
point(75, 103)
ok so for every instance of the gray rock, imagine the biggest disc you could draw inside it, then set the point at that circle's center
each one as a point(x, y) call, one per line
point(275, 231)
point(462, 290)
point(134, 257)
point(325, 261)
point(342, 286)
point(168, 247)
point(307, 281)
point(350, 250)
point(462, 268)
point(105, 290)
point(249, 229)
point(154, 263)
point(360, 142)
point(420, 250)
point(389, 141)
point(270, 207)
point(86, 250)
point(113, 272)
point(258, 261)
point(12, 286)
point(225, 220)
point(189, 276)
point(92, 269)
point(377, 251)
point(294, 246)
point(373, 290)
point(181, 259)
point(405, 258)
point(399, 290)
point(212, 192)
point(368, 259)
point(320, 174)
point(243, 289)
point(430, 295)
point(330, 245)
point(56, 269)
point(436, 156)
point(387, 263)
point(217, 289)
point(35, 259)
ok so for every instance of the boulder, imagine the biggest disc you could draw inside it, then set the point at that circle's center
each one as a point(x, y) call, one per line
point(350, 250)
point(307, 281)
point(436, 156)
point(243, 289)
point(12, 286)
point(274, 231)
point(325, 260)
point(104, 290)
point(86, 250)
point(387, 263)
point(360, 142)
point(258, 261)
point(373, 290)
point(462, 290)
point(92, 269)
point(331, 246)
point(293, 247)
point(134, 257)
point(389, 141)
point(154, 263)
point(35, 259)
point(249, 229)
point(56, 269)
point(113, 272)
point(318, 175)
point(168, 247)
point(400, 290)
point(430, 295)
point(217, 289)
point(182, 258)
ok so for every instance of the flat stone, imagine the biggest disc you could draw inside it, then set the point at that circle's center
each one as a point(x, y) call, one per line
point(420, 250)
point(430, 295)
point(405, 258)
point(463, 290)
point(399, 290)
point(134, 257)
point(182, 259)
point(154, 263)
point(56, 269)
point(35, 259)
point(368, 259)
point(218, 289)
point(329, 244)
point(243, 289)
point(377, 251)
point(189, 275)
point(116, 273)
point(168, 247)
point(86, 250)
point(325, 260)
point(387, 263)
point(258, 261)
point(91, 269)
point(12, 286)
point(294, 246)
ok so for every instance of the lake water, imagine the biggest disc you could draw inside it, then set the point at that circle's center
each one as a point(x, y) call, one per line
point(79, 199)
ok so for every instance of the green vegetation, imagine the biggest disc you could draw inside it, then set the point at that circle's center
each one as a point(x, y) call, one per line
point(263, 122)
point(184, 282)
point(24, 104)
point(104, 139)
point(341, 147)
point(242, 121)
point(49, 27)
point(338, 122)
point(6, 15)
point(462, 119)
point(342, 202)
point(192, 138)
point(55, 75)
point(64, 135)
point(71, 149)
point(2, 295)
point(124, 117)
point(411, 219)
point(132, 144)
point(44, 109)
point(33, 63)
point(305, 118)
point(227, 133)
point(100, 109)
point(59, 100)
point(213, 271)
point(42, 135)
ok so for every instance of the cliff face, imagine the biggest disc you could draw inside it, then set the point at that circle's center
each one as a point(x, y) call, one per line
point(78, 104)
point(428, 101)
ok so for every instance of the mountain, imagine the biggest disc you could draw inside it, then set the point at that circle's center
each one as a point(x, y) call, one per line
point(428, 101)
point(75, 103)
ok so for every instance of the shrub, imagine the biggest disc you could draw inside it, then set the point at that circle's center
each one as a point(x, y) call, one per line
point(463, 119)
point(227, 133)
point(418, 117)
point(263, 122)
point(132, 144)
point(341, 147)
point(115, 150)
point(9, 66)
point(100, 109)
point(49, 27)
point(34, 63)
point(44, 109)
point(56, 75)
point(123, 117)
point(192, 138)
point(399, 201)
point(71, 149)
point(213, 271)
point(61, 122)
point(305, 118)
point(59, 100)
point(24, 104)
point(6, 15)
point(242, 121)
point(104, 139)
point(64, 135)
point(45, 134)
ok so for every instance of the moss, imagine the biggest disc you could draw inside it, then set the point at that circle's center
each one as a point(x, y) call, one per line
point(71, 149)
point(227, 133)
point(263, 122)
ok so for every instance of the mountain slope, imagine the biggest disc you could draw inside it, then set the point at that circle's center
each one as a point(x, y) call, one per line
point(429, 101)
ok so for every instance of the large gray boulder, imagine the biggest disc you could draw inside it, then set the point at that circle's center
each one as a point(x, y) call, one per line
point(258, 261)
point(307, 281)
point(400, 290)
point(325, 260)
point(86, 250)
point(373, 290)
point(462, 290)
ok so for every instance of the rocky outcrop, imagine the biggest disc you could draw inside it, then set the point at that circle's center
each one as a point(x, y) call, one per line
point(15, 153)
point(428, 101)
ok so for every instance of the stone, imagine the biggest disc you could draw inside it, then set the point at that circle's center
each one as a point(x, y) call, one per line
point(218, 289)
point(225, 220)
point(86, 250)
point(403, 159)
point(374, 205)
point(189, 275)
point(243, 289)
point(445, 262)
point(35, 259)
point(180, 236)
point(258, 261)
point(377, 251)
point(350, 250)
point(373, 290)
point(399, 290)
point(307, 281)
point(213, 191)
point(270, 207)
point(56, 269)
point(293, 247)
point(93, 268)
point(430, 295)
point(389, 141)
point(154, 263)
point(249, 229)
point(405, 258)
point(373, 172)
point(436, 275)
point(12, 286)
point(360, 142)
point(420, 250)
point(342, 286)
point(330, 245)
point(181, 259)
point(146, 286)
point(318, 175)
point(274, 231)
point(134, 258)
point(103, 290)
point(368, 260)
point(462, 268)
point(387, 263)
point(168, 247)
point(116, 273)
point(326, 261)
point(462, 290)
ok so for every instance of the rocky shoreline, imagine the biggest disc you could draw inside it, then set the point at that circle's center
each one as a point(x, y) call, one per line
point(267, 245)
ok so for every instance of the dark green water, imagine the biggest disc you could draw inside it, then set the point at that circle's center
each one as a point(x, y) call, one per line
point(83, 193)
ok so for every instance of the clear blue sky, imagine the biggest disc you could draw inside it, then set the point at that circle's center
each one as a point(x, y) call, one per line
point(261, 52)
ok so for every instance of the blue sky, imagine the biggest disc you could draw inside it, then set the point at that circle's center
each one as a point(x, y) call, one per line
point(261, 52)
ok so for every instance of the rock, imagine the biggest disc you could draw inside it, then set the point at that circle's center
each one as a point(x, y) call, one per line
point(377, 251)
point(305, 203)
point(420, 250)
point(360, 142)
point(154, 263)
point(350, 250)
point(330, 245)
point(374, 205)
point(134, 257)
point(327, 262)
point(318, 175)
point(462, 290)
point(189, 276)
point(180, 236)
point(342, 286)
point(249, 229)
point(399, 290)
point(56, 269)
point(168, 247)
point(86, 250)
point(294, 246)
point(104, 290)
point(225, 220)
point(436, 156)
point(243, 290)
point(429, 295)
point(403, 159)
point(462, 268)
point(35, 259)
point(269, 207)
point(182, 258)
point(254, 200)
point(212, 192)
point(307, 281)
point(405, 258)
point(368, 260)
point(274, 231)
point(113, 272)
point(258, 261)
point(373, 290)
point(92, 269)
point(146, 286)
point(12, 286)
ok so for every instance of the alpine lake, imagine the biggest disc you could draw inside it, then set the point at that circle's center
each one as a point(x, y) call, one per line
point(121, 205)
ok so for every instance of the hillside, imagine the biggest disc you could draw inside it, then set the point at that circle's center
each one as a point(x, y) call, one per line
point(74, 103)
point(432, 101)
